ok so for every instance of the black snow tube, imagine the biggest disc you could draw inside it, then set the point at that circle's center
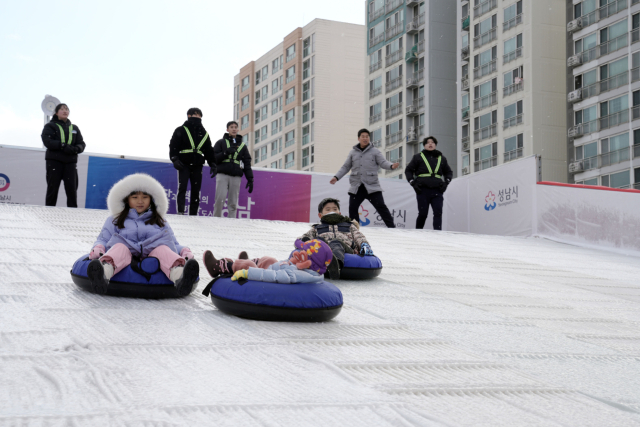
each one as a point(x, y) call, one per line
point(302, 302)
point(142, 279)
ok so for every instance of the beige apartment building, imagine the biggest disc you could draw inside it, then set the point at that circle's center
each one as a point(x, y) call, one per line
point(603, 62)
point(300, 105)
point(512, 84)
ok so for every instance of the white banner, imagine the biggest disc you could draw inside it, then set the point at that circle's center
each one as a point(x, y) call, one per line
point(584, 216)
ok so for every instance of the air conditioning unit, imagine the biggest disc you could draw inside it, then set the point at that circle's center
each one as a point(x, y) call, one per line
point(412, 27)
point(465, 84)
point(465, 51)
point(574, 96)
point(412, 137)
point(465, 146)
point(576, 167)
point(574, 25)
point(575, 131)
point(412, 110)
point(465, 171)
point(574, 60)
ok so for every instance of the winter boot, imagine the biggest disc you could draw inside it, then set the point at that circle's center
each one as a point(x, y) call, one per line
point(243, 255)
point(184, 277)
point(334, 268)
point(216, 267)
point(99, 274)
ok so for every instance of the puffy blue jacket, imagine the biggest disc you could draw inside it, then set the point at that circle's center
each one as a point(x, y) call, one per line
point(283, 272)
point(139, 237)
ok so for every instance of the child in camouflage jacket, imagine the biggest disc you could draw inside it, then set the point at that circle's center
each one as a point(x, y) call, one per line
point(341, 234)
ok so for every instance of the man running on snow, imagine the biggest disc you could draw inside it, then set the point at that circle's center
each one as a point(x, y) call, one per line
point(233, 160)
point(190, 146)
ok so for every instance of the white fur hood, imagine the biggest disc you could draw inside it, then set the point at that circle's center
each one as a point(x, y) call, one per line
point(137, 182)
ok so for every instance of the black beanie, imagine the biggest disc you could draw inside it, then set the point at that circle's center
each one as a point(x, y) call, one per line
point(327, 200)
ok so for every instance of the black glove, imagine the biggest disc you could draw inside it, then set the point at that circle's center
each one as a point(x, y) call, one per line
point(177, 163)
point(77, 149)
point(443, 186)
point(68, 149)
point(249, 186)
point(229, 151)
point(213, 170)
point(416, 186)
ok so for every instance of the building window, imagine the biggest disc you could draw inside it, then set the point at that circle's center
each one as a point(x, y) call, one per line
point(244, 122)
point(393, 132)
point(258, 74)
point(485, 94)
point(614, 112)
point(289, 138)
point(513, 15)
point(616, 180)
point(291, 52)
point(512, 81)
point(274, 86)
point(512, 49)
point(394, 78)
point(289, 161)
point(512, 115)
point(485, 62)
point(263, 153)
point(305, 91)
point(257, 97)
point(306, 68)
point(376, 137)
point(485, 31)
point(245, 102)
point(264, 132)
point(375, 61)
point(275, 65)
point(275, 107)
point(485, 126)
point(305, 113)
point(486, 157)
point(245, 83)
point(376, 34)
point(290, 96)
point(256, 157)
point(513, 147)
point(394, 155)
point(274, 148)
point(375, 86)
point(289, 117)
point(274, 165)
point(265, 92)
point(306, 47)
point(375, 113)
point(291, 74)
point(306, 135)
point(393, 105)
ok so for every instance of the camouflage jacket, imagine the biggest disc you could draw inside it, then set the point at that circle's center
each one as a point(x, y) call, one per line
point(337, 227)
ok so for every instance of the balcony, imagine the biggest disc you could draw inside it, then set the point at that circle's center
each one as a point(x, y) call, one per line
point(464, 53)
point(599, 50)
point(512, 121)
point(414, 81)
point(375, 66)
point(395, 30)
point(376, 14)
point(375, 40)
point(512, 155)
point(417, 105)
point(512, 56)
point(391, 5)
point(393, 58)
point(484, 38)
point(411, 3)
point(604, 85)
point(375, 118)
point(393, 84)
point(420, 47)
point(603, 160)
point(412, 27)
point(392, 139)
point(485, 101)
point(511, 23)
point(583, 129)
point(375, 92)
point(485, 164)
point(614, 119)
point(465, 113)
point(398, 169)
point(484, 7)
point(516, 87)
point(393, 111)
point(465, 23)
point(484, 70)
point(485, 132)
point(377, 143)
point(597, 15)
point(466, 146)
point(412, 54)
point(412, 136)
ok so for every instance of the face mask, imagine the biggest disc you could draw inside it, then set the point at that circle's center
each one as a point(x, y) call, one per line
point(330, 213)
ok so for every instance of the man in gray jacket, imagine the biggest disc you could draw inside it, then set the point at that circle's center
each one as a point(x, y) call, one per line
point(363, 161)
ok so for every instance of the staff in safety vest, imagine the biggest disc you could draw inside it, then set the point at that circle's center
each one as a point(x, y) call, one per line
point(190, 146)
point(233, 159)
point(64, 142)
point(425, 172)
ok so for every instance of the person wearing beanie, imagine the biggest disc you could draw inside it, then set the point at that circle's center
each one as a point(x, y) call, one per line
point(64, 142)
point(363, 161)
point(233, 160)
point(138, 228)
point(307, 264)
point(190, 146)
point(342, 234)
point(429, 174)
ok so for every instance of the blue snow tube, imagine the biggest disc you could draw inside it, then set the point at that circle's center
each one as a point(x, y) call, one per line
point(358, 267)
point(303, 302)
point(141, 279)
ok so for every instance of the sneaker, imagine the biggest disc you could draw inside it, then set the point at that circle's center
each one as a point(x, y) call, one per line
point(334, 269)
point(214, 266)
point(243, 255)
point(190, 271)
point(96, 274)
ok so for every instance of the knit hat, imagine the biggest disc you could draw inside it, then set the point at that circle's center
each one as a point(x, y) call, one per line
point(312, 254)
point(328, 200)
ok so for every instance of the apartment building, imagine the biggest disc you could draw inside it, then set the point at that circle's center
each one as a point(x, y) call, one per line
point(410, 85)
point(512, 90)
point(299, 106)
point(604, 92)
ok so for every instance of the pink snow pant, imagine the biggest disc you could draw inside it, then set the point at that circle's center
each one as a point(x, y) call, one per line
point(243, 264)
point(119, 257)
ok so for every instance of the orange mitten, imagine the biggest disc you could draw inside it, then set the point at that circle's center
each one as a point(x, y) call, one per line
point(300, 259)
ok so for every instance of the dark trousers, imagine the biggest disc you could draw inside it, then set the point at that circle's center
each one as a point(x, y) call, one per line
point(191, 173)
point(62, 172)
point(338, 251)
point(376, 199)
point(433, 197)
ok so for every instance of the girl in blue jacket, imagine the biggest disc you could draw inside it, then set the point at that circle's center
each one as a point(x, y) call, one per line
point(138, 227)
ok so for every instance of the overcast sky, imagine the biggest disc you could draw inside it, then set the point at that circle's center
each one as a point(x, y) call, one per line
point(129, 70)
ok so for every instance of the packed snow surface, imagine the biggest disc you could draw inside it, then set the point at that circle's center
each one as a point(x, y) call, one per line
point(459, 330)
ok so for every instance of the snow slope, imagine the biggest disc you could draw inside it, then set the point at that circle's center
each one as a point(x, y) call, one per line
point(459, 329)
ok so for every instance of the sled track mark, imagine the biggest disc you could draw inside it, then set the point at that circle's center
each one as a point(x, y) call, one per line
point(13, 298)
point(331, 331)
point(546, 356)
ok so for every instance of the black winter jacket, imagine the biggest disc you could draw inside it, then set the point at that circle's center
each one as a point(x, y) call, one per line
point(232, 168)
point(180, 141)
point(52, 139)
point(417, 167)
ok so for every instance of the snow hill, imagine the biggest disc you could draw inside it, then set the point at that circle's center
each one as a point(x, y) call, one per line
point(459, 330)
